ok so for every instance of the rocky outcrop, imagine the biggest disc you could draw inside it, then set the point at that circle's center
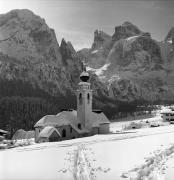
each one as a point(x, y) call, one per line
point(126, 30)
point(170, 35)
point(97, 54)
point(100, 39)
point(135, 67)
point(32, 53)
point(33, 64)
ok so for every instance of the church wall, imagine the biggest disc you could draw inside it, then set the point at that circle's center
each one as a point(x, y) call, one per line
point(95, 130)
point(70, 132)
point(54, 137)
point(37, 131)
point(104, 129)
point(43, 139)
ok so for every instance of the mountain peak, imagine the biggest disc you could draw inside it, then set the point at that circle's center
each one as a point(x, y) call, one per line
point(22, 14)
point(127, 23)
point(28, 35)
point(170, 35)
point(100, 38)
point(67, 45)
point(67, 50)
point(63, 42)
point(127, 29)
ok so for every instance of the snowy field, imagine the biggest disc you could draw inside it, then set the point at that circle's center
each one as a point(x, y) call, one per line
point(144, 154)
point(136, 154)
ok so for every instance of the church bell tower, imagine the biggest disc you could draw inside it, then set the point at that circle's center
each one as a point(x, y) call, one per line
point(84, 100)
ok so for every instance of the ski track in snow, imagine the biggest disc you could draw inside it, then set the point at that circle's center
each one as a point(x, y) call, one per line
point(153, 168)
point(81, 166)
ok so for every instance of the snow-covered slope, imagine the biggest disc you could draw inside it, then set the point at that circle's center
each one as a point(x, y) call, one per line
point(116, 156)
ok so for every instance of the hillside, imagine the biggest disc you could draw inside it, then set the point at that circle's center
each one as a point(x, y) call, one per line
point(88, 158)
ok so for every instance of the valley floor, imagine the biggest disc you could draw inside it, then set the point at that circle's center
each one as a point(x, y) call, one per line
point(145, 154)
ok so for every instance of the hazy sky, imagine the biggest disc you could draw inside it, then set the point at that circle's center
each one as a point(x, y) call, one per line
point(76, 20)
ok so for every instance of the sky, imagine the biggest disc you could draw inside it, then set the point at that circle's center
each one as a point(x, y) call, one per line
point(76, 20)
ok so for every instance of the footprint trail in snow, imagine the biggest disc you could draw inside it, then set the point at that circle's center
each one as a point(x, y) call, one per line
point(81, 166)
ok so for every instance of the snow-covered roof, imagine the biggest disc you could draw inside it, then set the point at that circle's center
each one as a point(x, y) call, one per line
point(62, 118)
point(70, 118)
point(80, 131)
point(47, 131)
point(98, 118)
point(51, 120)
point(166, 111)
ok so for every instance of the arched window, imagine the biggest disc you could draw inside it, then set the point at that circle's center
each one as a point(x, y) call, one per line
point(79, 126)
point(63, 133)
point(88, 97)
point(80, 98)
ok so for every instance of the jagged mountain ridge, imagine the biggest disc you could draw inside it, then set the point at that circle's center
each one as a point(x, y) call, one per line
point(33, 64)
point(136, 67)
point(31, 56)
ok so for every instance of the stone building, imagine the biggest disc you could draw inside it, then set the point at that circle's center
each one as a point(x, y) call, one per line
point(70, 124)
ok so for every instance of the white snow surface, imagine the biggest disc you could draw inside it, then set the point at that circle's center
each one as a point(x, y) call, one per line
point(131, 38)
point(145, 154)
point(98, 71)
point(170, 41)
point(103, 68)
point(95, 51)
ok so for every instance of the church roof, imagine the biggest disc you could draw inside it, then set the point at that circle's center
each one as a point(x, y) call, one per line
point(98, 118)
point(62, 118)
point(70, 118)
point(80, 131)
point(47, 131)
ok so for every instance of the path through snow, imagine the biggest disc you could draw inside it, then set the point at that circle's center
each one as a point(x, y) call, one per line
point(153, 168)
point(81, 165)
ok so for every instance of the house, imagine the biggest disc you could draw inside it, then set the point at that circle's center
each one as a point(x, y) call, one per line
point(168, 114)
point(70, 124)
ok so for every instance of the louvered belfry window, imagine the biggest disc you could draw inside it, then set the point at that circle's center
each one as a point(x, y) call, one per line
point(88, 97)
point(80, 98)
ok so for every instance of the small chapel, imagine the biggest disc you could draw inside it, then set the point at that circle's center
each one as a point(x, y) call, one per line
point(70, 124)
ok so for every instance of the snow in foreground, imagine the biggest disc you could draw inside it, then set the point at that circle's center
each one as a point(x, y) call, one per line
point(145, 154)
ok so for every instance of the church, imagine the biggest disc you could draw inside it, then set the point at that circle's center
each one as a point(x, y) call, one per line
point(70, 124)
